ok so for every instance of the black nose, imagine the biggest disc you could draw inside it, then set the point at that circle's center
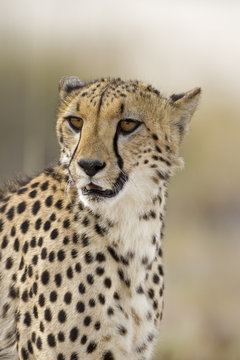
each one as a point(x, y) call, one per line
point(91, 167)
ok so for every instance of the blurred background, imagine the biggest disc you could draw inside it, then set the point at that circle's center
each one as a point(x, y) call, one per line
point(175, 46)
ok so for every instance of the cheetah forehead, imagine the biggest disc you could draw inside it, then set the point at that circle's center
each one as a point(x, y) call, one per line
point(111, 94)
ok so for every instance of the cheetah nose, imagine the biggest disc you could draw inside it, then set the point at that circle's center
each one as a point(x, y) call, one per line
point(91, 167)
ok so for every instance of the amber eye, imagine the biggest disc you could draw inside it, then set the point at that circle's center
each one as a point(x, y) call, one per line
point(128, 125)
point(75, 123)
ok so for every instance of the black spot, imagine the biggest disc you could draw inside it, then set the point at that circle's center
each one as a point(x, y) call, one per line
point(47, 314)
point(33, 194)
point(61, 336)
point(41, 300)
point(35, 260)
point(4, 242)
point(25, 226)
point(10, 213)
point(82, 288)
point(24, 353)
point(54, 234)
point(22, 191)
point(73, 334)
point(47, 225)
point(85, 240)
point(40, 241)
point(60, 357)
point(83, 339)
point(85, 221)
point(21, 207)
point(25, 296)
point(38, 224)
point(27, 319)
point(53, 296)
point(74, 253)
point(49, 201)
point(87, 321)
point(113, 253)
point(107, 282)
point(62, 316)
point(156, 279)
point(116, 296)
point(108, 356)
point(45, 277)
point(66, 223)
point(151, 293)
point(51, 340)
point(88, 258)
point(75, 238)
point(101, 299)
point(13, 292)
point(66, 240)
point(110, 311)
point(100, 230)
point(68, 298)
point(78, 267)
point(33, 242)
point(44, 253)
point(74, 356)
point(25, 247)
point(52, 217)
point(36, 207)
point(59, 204)
point(160, 270)
point(100, 271)
point(122, 330)
point(70, 273)
point(158, 149)
point(100, 257)
point(90, 279)
point(44, 186)
point(91, 347)
point(155, 137)
point(139, 290)
point(9, 263)
point(58, 279)
point(30, 348)
point(3, 208)
point(61, 255)
point(1, 225)
point(80, 307)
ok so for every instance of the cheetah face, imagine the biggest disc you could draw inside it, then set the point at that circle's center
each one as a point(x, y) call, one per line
point(116, 138)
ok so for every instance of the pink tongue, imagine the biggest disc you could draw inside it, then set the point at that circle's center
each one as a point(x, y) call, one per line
point(94, 187)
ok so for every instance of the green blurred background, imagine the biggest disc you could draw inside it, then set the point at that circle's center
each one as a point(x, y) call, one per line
point(174, 45)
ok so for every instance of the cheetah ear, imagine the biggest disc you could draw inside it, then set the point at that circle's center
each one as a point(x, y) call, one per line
point(183, 107)
point(69, 83)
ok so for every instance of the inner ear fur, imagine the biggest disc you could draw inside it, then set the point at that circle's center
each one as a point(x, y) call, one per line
point(68, 84)
point(183, 107)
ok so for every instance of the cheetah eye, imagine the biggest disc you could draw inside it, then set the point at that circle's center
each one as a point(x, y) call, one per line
point(75, 123)
point(127, 126)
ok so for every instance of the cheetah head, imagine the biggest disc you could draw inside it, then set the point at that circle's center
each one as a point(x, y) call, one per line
point(120, 139)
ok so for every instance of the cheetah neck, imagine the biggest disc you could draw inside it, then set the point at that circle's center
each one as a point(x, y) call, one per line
point(137, 229)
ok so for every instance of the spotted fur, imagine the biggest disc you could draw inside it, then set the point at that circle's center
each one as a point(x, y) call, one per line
point(81, 272)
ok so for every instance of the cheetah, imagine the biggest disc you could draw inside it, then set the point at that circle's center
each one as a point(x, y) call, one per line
point(81, 273)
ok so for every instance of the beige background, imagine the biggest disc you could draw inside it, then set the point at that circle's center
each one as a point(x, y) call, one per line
point(174, 45)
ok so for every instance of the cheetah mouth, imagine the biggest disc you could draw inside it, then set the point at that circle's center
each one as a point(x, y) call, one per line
point(94, 190)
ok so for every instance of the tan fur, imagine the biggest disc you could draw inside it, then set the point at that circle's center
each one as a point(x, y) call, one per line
point(81, 275)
